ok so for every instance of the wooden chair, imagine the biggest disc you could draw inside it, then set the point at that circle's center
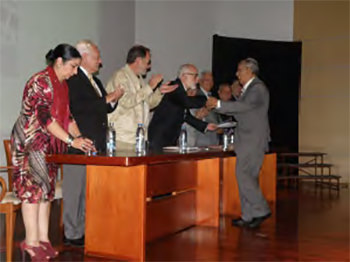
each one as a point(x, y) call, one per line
point(9, 203)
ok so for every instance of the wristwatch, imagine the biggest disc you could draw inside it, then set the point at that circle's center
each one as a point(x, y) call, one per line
point(69, 140)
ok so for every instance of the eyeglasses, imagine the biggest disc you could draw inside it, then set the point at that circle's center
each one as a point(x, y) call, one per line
point(192, 74)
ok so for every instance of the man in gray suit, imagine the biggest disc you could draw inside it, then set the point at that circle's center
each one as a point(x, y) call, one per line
point(252, 136)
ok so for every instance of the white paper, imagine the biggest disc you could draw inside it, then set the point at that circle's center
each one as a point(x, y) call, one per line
point(227, 124)
point(171, 148)
point(176, 148)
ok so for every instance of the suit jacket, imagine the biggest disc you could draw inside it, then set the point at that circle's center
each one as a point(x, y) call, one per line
point(88, 109)
point(134, 106)
point(251, 112)
point(171, 113)
point(227, 118)
point(210, 137)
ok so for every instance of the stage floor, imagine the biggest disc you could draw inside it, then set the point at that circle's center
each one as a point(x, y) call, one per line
point(308, 224)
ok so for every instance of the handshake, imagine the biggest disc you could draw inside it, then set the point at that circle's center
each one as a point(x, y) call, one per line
point(204, 111)
point(211, 103)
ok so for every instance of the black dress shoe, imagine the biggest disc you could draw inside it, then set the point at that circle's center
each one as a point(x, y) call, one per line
point(239, 222)
point(78, 242)
point(258, 220)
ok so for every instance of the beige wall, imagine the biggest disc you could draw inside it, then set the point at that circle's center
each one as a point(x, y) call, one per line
point(181, 31)
point(323, 27)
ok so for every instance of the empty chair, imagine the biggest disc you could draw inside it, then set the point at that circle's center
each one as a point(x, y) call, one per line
point(9, 203)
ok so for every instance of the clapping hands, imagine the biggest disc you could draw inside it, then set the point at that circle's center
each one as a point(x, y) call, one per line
point(115, 95)
point(155, 80)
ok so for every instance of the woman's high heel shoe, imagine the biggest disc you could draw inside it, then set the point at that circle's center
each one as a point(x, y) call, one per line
point(38, 252)
point(48, 249)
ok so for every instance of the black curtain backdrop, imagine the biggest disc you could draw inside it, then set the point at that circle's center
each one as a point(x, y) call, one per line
point(280, 67)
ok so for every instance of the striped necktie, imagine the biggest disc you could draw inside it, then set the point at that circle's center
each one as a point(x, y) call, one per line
point(93, 83)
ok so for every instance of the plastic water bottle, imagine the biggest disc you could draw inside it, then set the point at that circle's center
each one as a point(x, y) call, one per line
point(225, 141)
point(140, 139)
point(111, 140)
point(232, 139)
point(183, 139)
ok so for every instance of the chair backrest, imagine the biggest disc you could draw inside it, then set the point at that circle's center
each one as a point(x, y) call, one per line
point(7, 147)
point(3, 188)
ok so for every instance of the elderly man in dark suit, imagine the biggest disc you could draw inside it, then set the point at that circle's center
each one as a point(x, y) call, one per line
point(252, 136)
point(173, 110)
point(89, 105)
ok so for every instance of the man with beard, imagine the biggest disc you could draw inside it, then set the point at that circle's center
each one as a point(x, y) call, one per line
point(173, 111)
point(138, 98)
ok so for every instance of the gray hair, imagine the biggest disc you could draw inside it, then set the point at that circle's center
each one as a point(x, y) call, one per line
point(204, 72)
point(223, 85)
point(184, 69)
point(252, 64)
point(84, 46)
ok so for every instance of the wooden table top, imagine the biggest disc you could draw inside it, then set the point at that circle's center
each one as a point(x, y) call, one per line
point(130, 158)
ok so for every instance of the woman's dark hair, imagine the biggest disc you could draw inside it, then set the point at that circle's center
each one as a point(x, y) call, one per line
point(65, 51)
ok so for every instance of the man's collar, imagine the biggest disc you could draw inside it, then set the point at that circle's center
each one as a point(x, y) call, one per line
point(247, 84)
point(128, 68)
point(84, 70)
point(205, 92)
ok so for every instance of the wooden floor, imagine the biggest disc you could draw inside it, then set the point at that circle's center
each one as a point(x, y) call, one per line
point(307, 225)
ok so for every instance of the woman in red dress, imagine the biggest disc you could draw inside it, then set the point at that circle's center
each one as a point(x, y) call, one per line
point(44, 127)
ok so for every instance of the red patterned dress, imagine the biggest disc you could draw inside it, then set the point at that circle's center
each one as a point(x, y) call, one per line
point(44, 100)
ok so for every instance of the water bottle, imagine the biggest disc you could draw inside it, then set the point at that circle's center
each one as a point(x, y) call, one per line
point(232, 139)
point(183, 139)
point(225, 141)
point(111, 140)
point(140, 139)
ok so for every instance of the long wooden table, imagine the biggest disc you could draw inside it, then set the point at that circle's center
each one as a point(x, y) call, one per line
point(131, 200)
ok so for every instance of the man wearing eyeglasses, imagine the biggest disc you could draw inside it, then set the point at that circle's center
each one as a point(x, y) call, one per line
point(252, 137)
point(139, 97)
point(173, 110)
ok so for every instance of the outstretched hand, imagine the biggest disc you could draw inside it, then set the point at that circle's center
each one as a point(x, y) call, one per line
point(211, 103)
point(212, 127)
point(166, 88)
